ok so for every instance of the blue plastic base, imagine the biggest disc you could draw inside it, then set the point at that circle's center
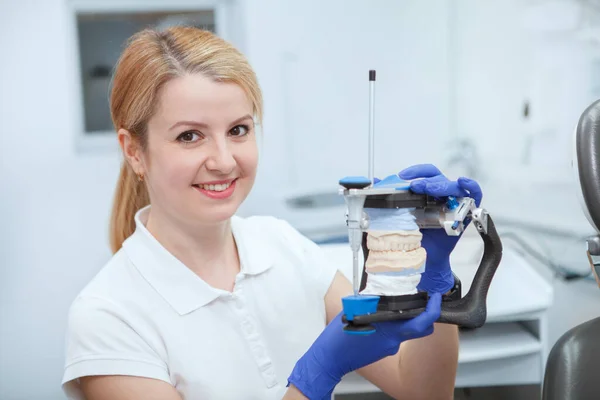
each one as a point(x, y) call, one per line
point(359, 305)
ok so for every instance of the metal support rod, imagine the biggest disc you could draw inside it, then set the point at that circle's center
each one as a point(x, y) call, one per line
point(372, 125)
point(355, 277)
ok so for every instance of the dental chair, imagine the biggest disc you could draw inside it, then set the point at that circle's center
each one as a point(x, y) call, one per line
point(573, 366)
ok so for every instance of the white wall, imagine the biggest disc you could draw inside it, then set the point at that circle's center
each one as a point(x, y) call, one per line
point(500, 63)
point(54, 202)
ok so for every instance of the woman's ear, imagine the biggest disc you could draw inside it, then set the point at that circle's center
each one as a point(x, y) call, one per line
point(132, 151)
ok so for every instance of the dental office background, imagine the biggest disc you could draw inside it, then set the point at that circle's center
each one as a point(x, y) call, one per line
point(486, 89)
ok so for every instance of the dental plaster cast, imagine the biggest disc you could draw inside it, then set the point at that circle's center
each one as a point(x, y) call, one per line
point(396, 258)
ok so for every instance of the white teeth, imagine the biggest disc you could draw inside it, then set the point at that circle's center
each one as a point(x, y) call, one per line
point(394, 240)
point(215, 188)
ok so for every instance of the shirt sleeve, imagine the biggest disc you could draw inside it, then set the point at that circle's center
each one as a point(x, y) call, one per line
point(316, 267)
point(101, 341)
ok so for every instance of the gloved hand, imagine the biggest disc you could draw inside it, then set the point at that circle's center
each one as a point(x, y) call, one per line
point(336, 353)
point(428, 179)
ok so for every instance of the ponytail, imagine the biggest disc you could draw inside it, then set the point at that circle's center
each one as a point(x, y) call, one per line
point(131, 195)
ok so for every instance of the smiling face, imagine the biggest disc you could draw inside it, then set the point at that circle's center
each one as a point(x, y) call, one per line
point(201, 157)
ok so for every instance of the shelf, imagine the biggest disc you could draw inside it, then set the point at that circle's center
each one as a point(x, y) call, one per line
point(496, 341)
point(496, 353)
point(521, 370)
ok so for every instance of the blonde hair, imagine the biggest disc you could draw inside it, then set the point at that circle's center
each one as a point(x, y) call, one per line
point(150, 59)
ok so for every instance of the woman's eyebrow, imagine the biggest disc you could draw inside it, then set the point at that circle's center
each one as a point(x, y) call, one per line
point(245, 117)
point(203, 125)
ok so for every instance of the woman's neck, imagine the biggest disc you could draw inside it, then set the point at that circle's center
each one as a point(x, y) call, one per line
point(208, 250)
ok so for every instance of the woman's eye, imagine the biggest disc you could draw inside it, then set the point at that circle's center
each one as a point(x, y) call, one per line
point(240, 130)
point(188, 137)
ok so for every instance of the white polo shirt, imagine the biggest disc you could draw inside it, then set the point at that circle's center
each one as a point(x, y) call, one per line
point(146, 314)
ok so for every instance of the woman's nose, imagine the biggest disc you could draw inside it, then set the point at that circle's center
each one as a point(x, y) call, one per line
point(221, 159)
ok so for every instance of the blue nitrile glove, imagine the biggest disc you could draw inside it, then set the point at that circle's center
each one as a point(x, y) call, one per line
point(437, 277)
point(336, 353)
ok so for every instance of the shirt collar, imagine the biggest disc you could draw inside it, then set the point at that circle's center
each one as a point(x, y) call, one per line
point(177, 284)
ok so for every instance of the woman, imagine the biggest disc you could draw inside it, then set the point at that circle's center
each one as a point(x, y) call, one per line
point(197, 303)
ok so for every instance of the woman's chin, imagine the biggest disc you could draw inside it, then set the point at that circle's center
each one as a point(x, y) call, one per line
point(212, 210)
point(216, 214)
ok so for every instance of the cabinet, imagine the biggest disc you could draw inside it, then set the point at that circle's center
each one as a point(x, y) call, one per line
point(100, 29)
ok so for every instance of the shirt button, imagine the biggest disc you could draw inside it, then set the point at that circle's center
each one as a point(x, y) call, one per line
point(270, 378)
point(237, 302)
point(259, 353)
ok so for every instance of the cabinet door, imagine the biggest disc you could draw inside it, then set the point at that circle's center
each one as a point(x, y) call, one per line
point(329, 48)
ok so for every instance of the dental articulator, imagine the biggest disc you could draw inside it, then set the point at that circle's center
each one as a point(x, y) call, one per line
point(384, 220)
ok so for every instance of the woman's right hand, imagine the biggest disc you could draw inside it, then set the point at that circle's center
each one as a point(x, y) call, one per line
point(336, 353)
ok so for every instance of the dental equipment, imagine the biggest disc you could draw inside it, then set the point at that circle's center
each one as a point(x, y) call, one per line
point(450, 214)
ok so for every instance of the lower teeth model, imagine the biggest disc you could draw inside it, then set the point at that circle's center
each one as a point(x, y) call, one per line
point(396, 258)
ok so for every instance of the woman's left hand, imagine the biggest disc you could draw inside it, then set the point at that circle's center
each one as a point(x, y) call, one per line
point(428, 179)
point(336, 353)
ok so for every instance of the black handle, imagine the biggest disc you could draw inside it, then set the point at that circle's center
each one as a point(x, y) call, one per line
point(471, 310)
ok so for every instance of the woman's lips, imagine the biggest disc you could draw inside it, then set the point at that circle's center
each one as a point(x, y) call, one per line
point(218, 191)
